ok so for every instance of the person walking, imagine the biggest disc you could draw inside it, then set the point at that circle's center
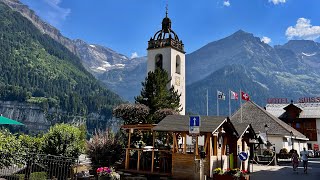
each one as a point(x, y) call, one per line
point(295, 160)
point(304, 157)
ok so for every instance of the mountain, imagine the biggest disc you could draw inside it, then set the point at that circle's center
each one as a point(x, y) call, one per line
point(239, 48)
point(36, 69)
point(126, 81)
point(290, 70)
point(242, 61)
point(104, 63)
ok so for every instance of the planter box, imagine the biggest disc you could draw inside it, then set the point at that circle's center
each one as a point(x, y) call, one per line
point(229, 177)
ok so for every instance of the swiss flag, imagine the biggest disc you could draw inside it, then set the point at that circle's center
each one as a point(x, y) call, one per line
point(245, 96)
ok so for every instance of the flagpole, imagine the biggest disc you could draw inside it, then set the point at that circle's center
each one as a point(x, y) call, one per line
point(241, 105)
point(217, 104)
point(207, 104)
point(229, 103)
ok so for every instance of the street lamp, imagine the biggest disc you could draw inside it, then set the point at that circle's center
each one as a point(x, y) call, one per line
point(291, 134)
point(221, 135)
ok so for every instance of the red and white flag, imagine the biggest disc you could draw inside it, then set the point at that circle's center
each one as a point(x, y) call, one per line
point(245, 96)
point(234, 95)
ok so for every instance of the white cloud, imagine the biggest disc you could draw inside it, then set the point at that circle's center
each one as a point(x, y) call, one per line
point(277, 1)
point(226, 3)
point(266, 40)
point(55, 13)
point(134, 55)
point(303, 30)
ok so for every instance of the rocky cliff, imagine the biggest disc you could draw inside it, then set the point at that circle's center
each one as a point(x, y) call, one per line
point(30, 115)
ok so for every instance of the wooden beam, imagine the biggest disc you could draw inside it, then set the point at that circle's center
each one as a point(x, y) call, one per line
point(128, 151)
point(127, 159)
point(206, 144)
point(174, 142)
point(152, 157)
point(197, 148)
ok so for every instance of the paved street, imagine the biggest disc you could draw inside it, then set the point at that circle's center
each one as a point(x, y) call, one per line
point(284, 171)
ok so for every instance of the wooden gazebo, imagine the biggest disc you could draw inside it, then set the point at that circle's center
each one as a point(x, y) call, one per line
point(145, 158)
point(217, 139)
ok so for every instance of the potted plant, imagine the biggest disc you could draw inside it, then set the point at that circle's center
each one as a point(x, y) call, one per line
point(106, 173)
point(230, 174)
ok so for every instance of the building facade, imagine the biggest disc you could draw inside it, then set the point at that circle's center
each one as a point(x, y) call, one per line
point(304, 117)
point(166, 51)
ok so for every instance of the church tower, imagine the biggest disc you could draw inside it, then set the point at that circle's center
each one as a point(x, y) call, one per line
point(166, 51)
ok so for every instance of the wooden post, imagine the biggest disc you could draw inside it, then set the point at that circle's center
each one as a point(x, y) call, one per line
point(197, 148)
point(174, 142)
point(138, 163)
point(152, 160)
point(215, 146)
point(128, 151)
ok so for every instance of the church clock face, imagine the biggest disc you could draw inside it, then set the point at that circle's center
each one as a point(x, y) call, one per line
point(177, 82)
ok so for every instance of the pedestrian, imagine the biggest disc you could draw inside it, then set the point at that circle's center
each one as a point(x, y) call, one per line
point(295, 160)
point(304, 157)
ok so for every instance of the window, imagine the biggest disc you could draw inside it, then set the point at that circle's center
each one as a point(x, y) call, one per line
point(158, 61)
point(297, 125)
point(178, 64)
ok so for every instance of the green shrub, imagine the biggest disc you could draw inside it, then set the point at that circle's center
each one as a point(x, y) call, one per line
point(34, 176)
point(65, 140)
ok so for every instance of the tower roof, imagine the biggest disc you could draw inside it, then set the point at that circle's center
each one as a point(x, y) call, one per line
point(166, 37)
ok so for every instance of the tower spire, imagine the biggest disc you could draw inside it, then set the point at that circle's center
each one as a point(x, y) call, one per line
point(167, 9)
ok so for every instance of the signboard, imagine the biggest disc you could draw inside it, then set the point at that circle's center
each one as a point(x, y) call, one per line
point(315, 147)
point(243, 156)
point(194, 125)
point(300, 100)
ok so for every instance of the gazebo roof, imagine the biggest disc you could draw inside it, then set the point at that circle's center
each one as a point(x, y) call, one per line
point(180, 123)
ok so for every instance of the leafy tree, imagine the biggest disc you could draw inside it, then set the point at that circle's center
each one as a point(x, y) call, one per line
point(31, 144)
point(64, 139)
point(132, 113)
point(11, 151)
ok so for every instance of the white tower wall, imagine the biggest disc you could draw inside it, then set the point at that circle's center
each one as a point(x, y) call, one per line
point(169, 60)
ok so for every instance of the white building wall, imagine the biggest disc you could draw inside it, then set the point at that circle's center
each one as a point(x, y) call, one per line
point(318, 131)
point(278, 141)
point(285, 142)
point(169, 64)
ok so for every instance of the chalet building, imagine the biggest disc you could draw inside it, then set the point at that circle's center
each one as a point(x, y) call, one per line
point(176, 153)
point(217, 139)
point(304, 117)
point(273, 130)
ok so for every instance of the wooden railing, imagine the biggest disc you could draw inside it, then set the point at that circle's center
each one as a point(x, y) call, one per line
point(148, 160)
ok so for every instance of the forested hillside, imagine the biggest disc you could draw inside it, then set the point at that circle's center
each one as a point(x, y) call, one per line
point(35, 68)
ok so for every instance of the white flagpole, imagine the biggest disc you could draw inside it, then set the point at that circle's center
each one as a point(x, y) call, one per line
point(207, 104)
point(229, 103)
point(217, 104)
point(241, 105)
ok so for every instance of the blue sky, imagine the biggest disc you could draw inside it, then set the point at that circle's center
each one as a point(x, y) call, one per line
point(126, 25)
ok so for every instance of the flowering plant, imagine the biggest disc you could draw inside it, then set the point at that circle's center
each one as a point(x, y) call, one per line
point(236, 172)
point(108, 172)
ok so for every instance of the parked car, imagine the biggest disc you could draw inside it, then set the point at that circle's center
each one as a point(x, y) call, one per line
point(310, 153)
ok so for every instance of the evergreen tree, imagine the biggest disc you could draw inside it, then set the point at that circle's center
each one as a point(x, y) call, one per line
point(156, 95)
